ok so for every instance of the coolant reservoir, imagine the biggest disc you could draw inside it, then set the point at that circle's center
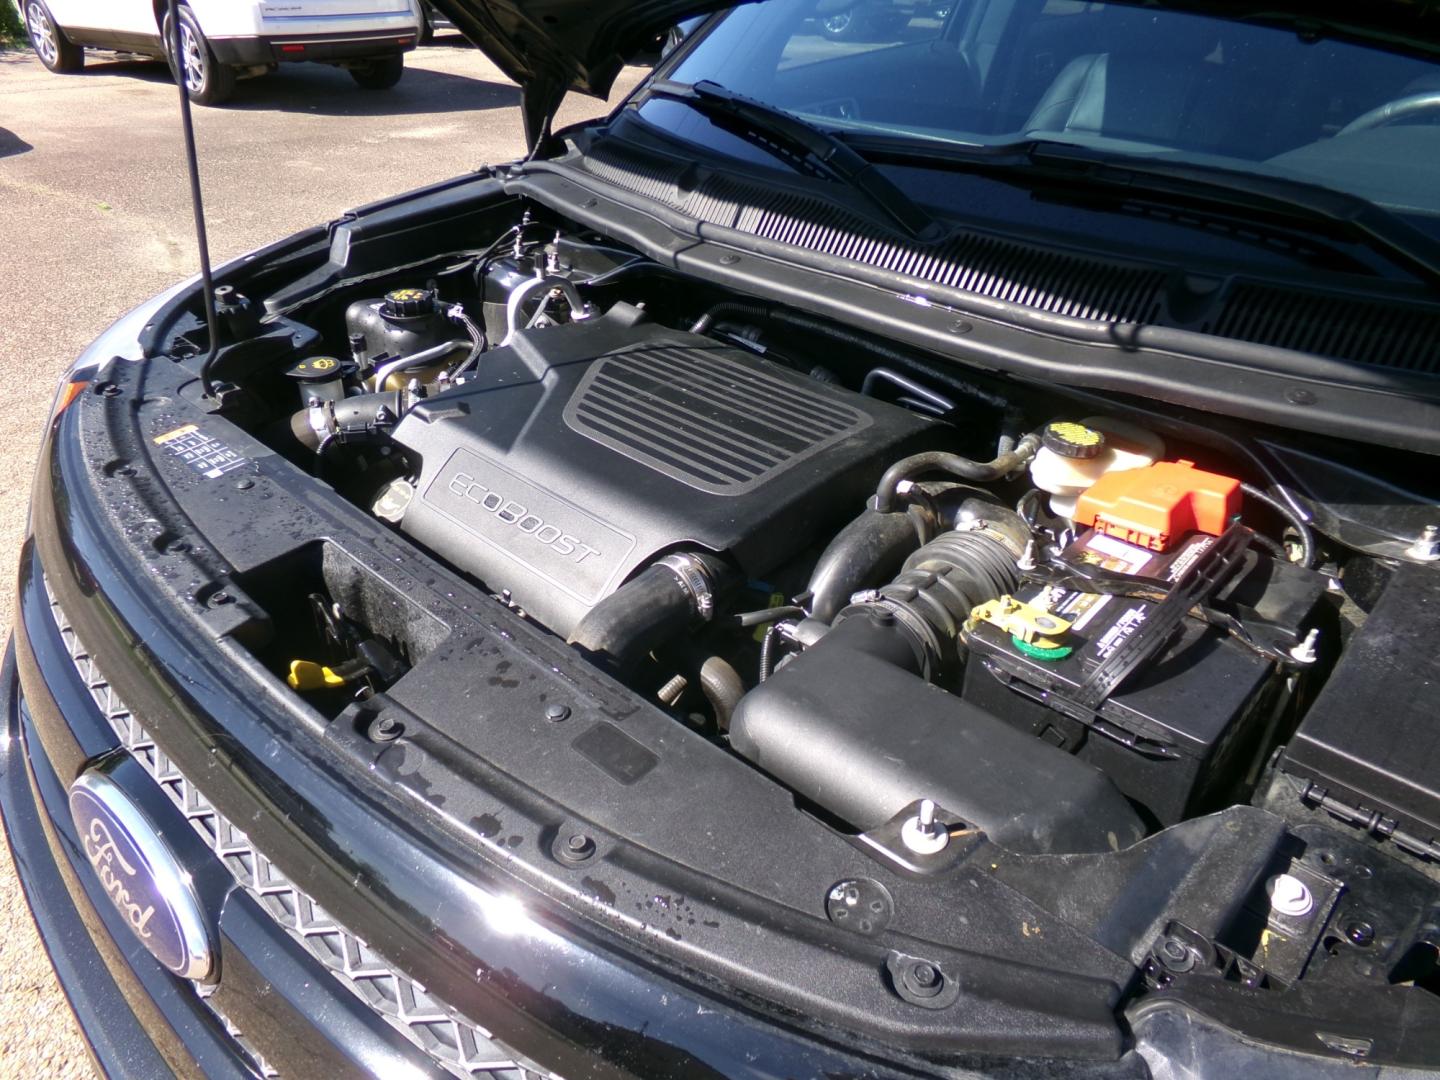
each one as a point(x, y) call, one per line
point(1075, 455)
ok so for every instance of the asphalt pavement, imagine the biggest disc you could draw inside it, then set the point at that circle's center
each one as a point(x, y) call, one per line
point(95, 218)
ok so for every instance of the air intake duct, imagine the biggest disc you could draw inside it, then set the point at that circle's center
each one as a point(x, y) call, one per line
point(852, 726)
point(939, 585)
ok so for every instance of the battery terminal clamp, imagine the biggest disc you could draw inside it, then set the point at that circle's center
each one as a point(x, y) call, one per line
point(1033, 630)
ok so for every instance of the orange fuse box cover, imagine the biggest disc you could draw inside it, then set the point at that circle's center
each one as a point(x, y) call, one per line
point(1156, 506)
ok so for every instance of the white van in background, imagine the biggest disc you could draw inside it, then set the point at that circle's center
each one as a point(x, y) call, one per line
point(225, 40)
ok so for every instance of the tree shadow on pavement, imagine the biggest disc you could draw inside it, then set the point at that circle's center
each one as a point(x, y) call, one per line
point(11, 144)
point(320, 90)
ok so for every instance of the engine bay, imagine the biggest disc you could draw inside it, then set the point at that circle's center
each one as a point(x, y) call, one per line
point(936, 608)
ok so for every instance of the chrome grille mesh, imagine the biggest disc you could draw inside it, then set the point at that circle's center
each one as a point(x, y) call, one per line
point(462, 1048)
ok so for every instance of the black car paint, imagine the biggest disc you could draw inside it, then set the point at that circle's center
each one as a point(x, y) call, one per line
point(105, 508)
point(179, 663)
point(304, 801)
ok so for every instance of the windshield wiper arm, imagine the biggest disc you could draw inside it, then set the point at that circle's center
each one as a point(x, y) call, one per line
point(1386, 232)
point(1410, 247)
point(804, 146)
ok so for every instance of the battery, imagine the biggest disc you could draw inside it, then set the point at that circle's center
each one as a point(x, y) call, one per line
point(1180, 733)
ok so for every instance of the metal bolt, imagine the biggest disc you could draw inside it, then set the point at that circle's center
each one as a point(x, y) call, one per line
point(923, 979)
point(922, 834)
point(1427, 547)
point(108, 389)
point(1360, 933)
point(387, 729)
point(1290, 896)
point(961, 327)
point(1028, 560)
point(1306, 652)
point(1176, 955)
point(220, 599)
point(729, 260)
point(670, 693)
point(245, 483)
point(556, 712)
point(575, 848)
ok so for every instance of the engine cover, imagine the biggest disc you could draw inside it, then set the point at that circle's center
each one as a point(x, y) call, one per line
point(583, 452)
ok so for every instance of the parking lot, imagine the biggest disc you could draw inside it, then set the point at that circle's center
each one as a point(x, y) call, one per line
point(97, 218)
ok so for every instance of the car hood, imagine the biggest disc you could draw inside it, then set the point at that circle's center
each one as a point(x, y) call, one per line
point(551, 47)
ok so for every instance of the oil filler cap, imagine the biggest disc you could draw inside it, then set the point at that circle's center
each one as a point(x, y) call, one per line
point(408, 304)
point(1072, 440)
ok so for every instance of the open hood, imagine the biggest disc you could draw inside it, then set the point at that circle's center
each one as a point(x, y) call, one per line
point(551, 47)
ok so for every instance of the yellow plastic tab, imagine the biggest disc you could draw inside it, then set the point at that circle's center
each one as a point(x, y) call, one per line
point(308, 675)
point(1032, 625)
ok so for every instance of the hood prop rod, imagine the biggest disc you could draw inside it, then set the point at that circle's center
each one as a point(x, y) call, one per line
point(197, 203)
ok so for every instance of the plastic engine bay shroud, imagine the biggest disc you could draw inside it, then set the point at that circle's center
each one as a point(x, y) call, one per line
point(582, 452)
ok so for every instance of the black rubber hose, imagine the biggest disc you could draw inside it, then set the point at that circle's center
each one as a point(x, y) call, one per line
point(1288, 514)
point(350, 419)
point(723, 688)
point(962, 468)
point(1266, 544)
point(624, 627)
point(867, 552)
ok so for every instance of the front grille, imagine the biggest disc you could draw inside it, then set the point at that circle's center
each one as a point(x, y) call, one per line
point(705, 418)
point(462, 1048)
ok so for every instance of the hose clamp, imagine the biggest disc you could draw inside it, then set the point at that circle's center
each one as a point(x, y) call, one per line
point(694, 578)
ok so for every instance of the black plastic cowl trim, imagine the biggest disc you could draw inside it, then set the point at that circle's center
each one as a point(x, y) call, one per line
point(1249, 382)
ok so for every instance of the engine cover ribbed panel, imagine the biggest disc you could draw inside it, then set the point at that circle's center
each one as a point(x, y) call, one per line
point(582, 453)
point(712, 420)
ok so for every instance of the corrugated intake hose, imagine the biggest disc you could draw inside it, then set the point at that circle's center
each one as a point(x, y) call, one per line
point(928, 603)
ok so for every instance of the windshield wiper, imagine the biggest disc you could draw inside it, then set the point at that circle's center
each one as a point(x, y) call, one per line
point(804, 146)
point(1391, 235)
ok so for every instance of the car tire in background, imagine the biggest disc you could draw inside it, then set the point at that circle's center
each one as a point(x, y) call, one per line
point(379, 74)
point(427, 28)
point(841, 26)
point(207, 81)
point(48, 41)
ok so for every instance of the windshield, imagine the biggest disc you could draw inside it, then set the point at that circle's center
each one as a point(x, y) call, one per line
point(1112, 77)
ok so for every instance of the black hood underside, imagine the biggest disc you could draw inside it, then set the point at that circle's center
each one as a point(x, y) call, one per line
point(551, 47)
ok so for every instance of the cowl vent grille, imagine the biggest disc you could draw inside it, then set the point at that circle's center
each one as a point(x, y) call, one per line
point(1399, 337)
point(988, 266)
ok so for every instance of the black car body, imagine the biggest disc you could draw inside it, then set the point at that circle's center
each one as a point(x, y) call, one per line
point(730, 595)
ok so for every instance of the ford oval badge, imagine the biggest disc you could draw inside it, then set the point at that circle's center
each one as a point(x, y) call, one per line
point(140, 874)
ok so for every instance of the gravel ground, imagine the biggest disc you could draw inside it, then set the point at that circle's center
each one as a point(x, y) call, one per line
point(97, 219)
